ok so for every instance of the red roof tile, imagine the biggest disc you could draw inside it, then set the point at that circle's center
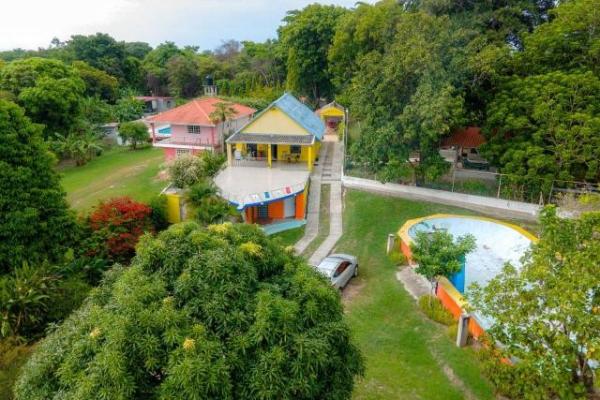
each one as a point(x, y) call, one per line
point(468, 137)
point(197, 112)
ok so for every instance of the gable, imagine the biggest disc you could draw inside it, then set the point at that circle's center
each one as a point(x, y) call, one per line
point(274, 122)
point(331, 111)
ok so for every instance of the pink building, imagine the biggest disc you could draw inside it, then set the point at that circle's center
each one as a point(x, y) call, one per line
point(189, 128)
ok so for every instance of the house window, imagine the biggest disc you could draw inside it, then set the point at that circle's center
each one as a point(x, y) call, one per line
point(193, 128)
point(182, 152)
point(295, 149)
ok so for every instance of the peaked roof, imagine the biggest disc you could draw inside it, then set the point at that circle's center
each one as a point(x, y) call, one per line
point(333, 104)
point(468, 137)
point(298, 112)
point(197, 112)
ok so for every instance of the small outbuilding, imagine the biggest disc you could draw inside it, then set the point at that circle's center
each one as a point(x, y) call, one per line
point(332, 114)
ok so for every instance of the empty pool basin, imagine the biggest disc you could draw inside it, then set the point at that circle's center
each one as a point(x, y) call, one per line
point(497, 243)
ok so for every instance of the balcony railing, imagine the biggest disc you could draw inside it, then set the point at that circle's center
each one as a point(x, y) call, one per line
point(187, 141)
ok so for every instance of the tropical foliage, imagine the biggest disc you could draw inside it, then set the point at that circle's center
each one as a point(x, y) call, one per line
point(217, 312)
point(547, 315)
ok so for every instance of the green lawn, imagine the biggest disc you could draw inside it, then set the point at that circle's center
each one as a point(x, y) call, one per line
point(290, 237)
point(117, 172)
point(405, 352)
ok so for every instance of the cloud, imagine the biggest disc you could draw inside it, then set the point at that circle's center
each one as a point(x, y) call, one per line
point(33, 23)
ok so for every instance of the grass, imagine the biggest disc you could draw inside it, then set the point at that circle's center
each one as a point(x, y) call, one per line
point(12, 357)
point(290, 236)
point(118, 172)
point(405, 352)
point(323, 221)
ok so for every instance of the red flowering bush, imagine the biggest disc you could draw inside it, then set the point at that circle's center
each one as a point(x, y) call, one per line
point(116, 226)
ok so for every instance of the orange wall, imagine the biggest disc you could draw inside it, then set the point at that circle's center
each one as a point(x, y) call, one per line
point(275, 209)
point(300, 206)
point(405, 249)
point(474, 328)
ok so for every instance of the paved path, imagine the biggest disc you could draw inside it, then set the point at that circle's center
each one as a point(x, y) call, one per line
point(489, 205)
point(331, 173)
point(314, 203)
point(414, 283)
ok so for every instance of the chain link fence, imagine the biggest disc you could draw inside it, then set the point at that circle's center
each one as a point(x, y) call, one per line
point(497, 185)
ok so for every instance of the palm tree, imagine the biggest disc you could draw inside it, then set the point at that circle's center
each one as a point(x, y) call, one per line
point(223, 111)
point(81, 144)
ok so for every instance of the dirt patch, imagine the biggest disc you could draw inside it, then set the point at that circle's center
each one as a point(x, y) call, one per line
point(352, 289)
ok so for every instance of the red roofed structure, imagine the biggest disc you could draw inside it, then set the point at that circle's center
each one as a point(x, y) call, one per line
point(469, 137)
point(191, 129)
point(462, 146)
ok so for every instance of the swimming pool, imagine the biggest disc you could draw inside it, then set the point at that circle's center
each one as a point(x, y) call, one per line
point(497, 243)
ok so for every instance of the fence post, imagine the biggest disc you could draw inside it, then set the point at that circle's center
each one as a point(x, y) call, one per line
point(453, 176)
point(391, 240)
point(499, 186)
point(462, 334)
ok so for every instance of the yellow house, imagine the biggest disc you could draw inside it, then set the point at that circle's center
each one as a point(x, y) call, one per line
point(332, 114)
point(270, 160)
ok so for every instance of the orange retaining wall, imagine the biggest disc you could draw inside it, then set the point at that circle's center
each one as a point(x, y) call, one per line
point(454, 302)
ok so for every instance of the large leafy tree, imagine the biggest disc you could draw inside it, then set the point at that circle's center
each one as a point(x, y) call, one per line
point(155, 67)
point(100, 51)
point(182, 76)
point(50, 92)
point(56, 103)
point(547, 316)
point(408, 93)
point(305, 39)
point(552, 122)
point(570, 42)
point(219, 312)
point(35, 222)
point(97, 82)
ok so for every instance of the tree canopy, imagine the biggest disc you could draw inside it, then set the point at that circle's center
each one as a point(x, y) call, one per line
point(217, 312)
point(35, 221)
point(546, 316)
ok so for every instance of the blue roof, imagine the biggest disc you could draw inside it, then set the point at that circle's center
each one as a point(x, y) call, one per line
point(301, 114)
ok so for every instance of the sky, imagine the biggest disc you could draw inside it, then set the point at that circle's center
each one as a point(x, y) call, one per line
point(30, 24)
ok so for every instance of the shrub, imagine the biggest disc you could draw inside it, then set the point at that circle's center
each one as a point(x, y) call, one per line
point(24, 295)
point(186, 171)
point(434, 309)
point(116, 226)
point(206, 206)
point(212, 163)
point(33, 296)
point(216, 312)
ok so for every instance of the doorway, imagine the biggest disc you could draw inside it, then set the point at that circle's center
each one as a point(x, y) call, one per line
point(274, 152)
point(289, 207)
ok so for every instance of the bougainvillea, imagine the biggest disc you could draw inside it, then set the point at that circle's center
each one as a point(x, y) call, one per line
point(116, 226)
